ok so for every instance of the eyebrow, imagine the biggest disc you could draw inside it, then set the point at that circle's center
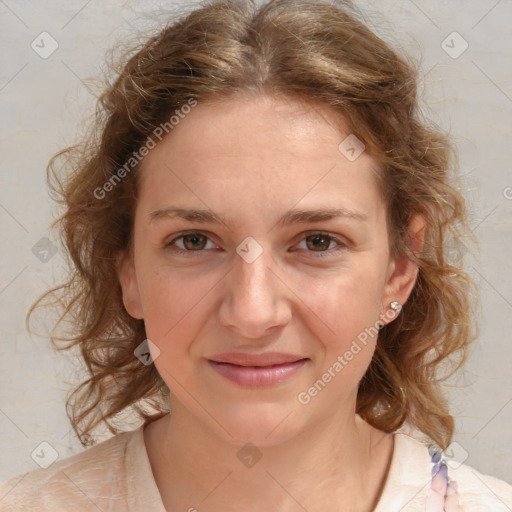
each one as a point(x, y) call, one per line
point(289, 218)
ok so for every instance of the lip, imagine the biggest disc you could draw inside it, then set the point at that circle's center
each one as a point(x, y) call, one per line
point(263, 359)
point(257, 370)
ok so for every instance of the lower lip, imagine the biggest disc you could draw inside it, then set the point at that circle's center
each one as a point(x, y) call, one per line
point(257, 376)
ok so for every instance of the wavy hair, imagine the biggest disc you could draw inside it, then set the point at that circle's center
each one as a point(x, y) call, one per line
point(318, 52)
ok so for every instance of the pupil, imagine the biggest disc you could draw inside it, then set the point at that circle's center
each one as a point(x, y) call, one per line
point(321, 238)
point(193, 239)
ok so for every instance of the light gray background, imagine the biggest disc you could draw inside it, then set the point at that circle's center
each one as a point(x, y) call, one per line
point(43, 103)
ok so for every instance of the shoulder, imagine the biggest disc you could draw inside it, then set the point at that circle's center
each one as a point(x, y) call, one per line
point(476, 491)
point(75, 483)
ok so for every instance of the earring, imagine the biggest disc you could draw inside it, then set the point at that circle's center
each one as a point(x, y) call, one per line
point(396, 306)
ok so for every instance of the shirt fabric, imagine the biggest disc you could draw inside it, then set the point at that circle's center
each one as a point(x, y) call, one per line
point(115, 476)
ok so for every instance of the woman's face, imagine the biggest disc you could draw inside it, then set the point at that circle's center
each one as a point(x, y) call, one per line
point(258, 274)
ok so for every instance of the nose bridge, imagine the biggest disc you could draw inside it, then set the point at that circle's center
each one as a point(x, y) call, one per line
point(253, 301)
point(253, 278)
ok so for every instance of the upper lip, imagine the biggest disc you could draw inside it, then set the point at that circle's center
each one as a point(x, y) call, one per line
point(264, 359)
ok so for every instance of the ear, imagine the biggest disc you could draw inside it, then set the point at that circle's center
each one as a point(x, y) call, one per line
point(403, 272)
point(129, 285)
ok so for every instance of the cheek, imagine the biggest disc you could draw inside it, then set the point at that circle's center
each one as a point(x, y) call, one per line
point(171, 300)
point(350, 300)
point(173, 319)
point(348, 305)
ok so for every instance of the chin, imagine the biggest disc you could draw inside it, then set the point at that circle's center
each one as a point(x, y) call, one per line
point(265, 424)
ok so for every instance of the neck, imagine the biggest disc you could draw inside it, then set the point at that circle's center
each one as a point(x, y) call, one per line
point(340, 462)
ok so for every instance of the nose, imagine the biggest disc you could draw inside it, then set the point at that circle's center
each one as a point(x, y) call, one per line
point(256, 301)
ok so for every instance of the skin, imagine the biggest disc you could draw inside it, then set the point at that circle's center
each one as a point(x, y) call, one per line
point(251, 159)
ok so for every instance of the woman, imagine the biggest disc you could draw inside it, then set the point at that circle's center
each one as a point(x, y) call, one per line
point(257, 231)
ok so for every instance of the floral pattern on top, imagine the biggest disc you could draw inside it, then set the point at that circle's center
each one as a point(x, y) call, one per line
point(443, 494)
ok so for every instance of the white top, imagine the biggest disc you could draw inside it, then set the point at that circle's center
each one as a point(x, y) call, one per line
point(115, 476)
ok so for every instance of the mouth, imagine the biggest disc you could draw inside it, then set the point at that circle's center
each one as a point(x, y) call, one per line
point(255, 371)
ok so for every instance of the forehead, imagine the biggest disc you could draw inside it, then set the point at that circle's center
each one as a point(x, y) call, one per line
point(245, 124)
point(251, 149)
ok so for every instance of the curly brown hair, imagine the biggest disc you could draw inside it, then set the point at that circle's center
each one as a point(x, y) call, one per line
point(321, 52)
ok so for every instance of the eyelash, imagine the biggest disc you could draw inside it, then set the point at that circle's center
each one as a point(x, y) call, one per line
point(316, 254)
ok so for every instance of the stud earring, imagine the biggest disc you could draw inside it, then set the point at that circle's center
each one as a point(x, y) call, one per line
point(396, 306)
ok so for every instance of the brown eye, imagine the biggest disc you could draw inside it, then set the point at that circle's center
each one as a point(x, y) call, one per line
point(318, 245)
point(189, 242)
point(318, 242)
point(195, 241)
